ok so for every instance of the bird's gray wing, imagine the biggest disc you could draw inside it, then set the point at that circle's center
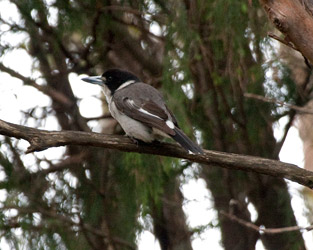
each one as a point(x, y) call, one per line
point(147, 112)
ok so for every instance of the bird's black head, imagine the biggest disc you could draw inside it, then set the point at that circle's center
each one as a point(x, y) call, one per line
point(112, 78)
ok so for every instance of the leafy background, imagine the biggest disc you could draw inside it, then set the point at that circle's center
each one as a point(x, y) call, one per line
point(203, 56)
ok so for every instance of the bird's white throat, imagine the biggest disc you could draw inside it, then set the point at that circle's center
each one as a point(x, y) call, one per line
point(107, 93)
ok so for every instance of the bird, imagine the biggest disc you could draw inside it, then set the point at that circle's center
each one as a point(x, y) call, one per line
point(140, 109)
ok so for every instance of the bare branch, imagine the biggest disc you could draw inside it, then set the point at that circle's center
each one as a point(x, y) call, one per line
point(65, 219)
point(42, 139)
point(53, 93)
point(272, 100)
point(263, 229)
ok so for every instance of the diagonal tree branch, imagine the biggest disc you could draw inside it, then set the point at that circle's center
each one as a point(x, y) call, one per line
point(42, 139)
point(54, 94)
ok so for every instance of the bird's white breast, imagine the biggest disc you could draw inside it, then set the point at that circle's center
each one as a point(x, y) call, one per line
point(131, 127)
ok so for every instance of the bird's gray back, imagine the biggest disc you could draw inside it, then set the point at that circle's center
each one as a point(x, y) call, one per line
point(139, 93)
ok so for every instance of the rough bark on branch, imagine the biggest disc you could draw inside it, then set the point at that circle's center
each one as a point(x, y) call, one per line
point(294, 21)
point(41, 139)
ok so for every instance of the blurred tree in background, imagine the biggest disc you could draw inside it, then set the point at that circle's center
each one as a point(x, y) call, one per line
point(203, 55)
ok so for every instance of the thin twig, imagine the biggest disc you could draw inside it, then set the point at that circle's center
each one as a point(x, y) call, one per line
point(283, 41)
point(67, 163)
point(264, 230)
point(280, 144)
point(291, 45)
point(65, 219)
point(272, 100)
point(104, 116)
point(154, 16)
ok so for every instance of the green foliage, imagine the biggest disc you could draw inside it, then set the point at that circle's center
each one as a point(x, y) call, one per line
point(148, 174)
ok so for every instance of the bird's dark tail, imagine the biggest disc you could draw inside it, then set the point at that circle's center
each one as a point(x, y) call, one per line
point(185, 142)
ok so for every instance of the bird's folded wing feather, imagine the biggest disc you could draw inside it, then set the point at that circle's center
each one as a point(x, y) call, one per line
point(147, 112)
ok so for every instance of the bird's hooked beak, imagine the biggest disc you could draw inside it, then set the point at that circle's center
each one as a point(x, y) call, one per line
point(95, 80)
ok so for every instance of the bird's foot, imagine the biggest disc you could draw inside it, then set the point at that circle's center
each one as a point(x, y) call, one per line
point(157, 142)
point(139, 142)
point(136, 141)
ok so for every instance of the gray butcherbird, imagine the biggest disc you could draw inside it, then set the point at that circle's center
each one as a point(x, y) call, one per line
point(140, 109)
